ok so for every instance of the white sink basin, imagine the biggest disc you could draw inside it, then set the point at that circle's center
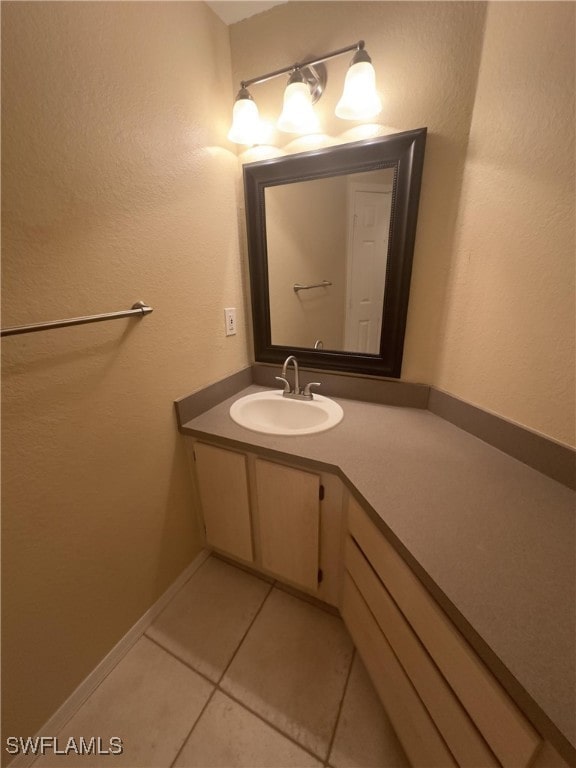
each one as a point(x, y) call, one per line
point(274, 414)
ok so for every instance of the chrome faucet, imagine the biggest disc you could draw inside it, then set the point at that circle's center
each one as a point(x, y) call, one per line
point(296, 393)
point(291, 359)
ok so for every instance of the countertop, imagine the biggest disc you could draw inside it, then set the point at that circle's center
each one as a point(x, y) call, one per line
point(493, 539)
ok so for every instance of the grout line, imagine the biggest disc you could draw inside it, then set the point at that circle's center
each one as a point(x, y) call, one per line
point(306, 598)
point(86, 689)
point(189, 666)
point(262, 717)
point(245, 633)
point(344, 692)
point(218, 687)
point(216, 684)
point(194, 724)
point(197, 671)
point(269, 724)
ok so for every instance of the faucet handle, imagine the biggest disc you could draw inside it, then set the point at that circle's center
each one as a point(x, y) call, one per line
point(307, 392)
point(285, 382)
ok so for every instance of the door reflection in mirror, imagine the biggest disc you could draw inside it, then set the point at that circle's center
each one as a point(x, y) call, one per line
point(336, 230)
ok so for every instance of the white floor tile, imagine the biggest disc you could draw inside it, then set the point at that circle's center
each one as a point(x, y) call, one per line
point(207, 619)
point(150, 700)
point(228, 736)
point(291, 669)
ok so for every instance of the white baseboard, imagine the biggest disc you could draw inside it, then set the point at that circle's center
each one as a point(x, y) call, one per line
point(93, 680)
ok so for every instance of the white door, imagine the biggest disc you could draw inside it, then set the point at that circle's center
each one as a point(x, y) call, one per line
point(369, 223)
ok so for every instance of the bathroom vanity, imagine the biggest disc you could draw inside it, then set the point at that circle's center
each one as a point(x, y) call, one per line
point(279, 518)
point(450, 562)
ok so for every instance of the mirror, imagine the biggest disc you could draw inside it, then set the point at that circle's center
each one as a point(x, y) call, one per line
point(330, 240)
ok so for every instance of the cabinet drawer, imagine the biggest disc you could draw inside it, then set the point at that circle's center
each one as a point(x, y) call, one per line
point(505, 729)
point(421, 741)
point(451, 719)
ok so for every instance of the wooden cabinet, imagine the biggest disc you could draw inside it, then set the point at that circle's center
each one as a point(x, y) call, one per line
point(548, 757)
point(283, 520)
point(421, 741)
point(288, 508)
point(222, 483)
point(302, 527)
point(447, 719)
point(475, 717)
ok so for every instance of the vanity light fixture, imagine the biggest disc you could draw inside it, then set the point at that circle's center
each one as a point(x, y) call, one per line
point(245, 119)
point(298, 114)
point(360, 100)
point(306, 83)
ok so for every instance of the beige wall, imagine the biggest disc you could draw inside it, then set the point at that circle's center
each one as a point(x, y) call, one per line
point(426, 55)
point(508, 329)
point(306, 242)
point(118, 185)
point(308, 228)
point(491, 315)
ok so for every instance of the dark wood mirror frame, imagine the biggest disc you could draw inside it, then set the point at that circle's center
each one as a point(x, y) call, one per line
point(402, 151)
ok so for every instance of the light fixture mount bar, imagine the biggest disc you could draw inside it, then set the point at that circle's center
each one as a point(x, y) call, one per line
point(300, 65)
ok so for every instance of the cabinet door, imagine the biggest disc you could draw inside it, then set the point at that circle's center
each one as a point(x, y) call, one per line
point(223, 488)
point(289, 521)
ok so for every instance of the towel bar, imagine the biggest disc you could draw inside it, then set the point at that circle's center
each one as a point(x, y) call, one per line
point(140, 309)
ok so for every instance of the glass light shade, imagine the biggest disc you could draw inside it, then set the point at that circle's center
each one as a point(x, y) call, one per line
point(245, 122)
point(298, 114)
point(359, 100)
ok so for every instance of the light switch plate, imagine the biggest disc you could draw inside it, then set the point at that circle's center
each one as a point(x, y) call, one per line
point(230, 318)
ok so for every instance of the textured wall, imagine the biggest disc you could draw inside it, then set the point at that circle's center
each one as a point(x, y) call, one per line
point(306, 240)
point(426, 55)
point(118, 185)
point(491, 314)
point(508, 331)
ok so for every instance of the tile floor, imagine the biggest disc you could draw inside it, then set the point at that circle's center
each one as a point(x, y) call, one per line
point(237, 673)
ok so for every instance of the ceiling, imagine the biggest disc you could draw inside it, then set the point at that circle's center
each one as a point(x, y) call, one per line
point(231, 11)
